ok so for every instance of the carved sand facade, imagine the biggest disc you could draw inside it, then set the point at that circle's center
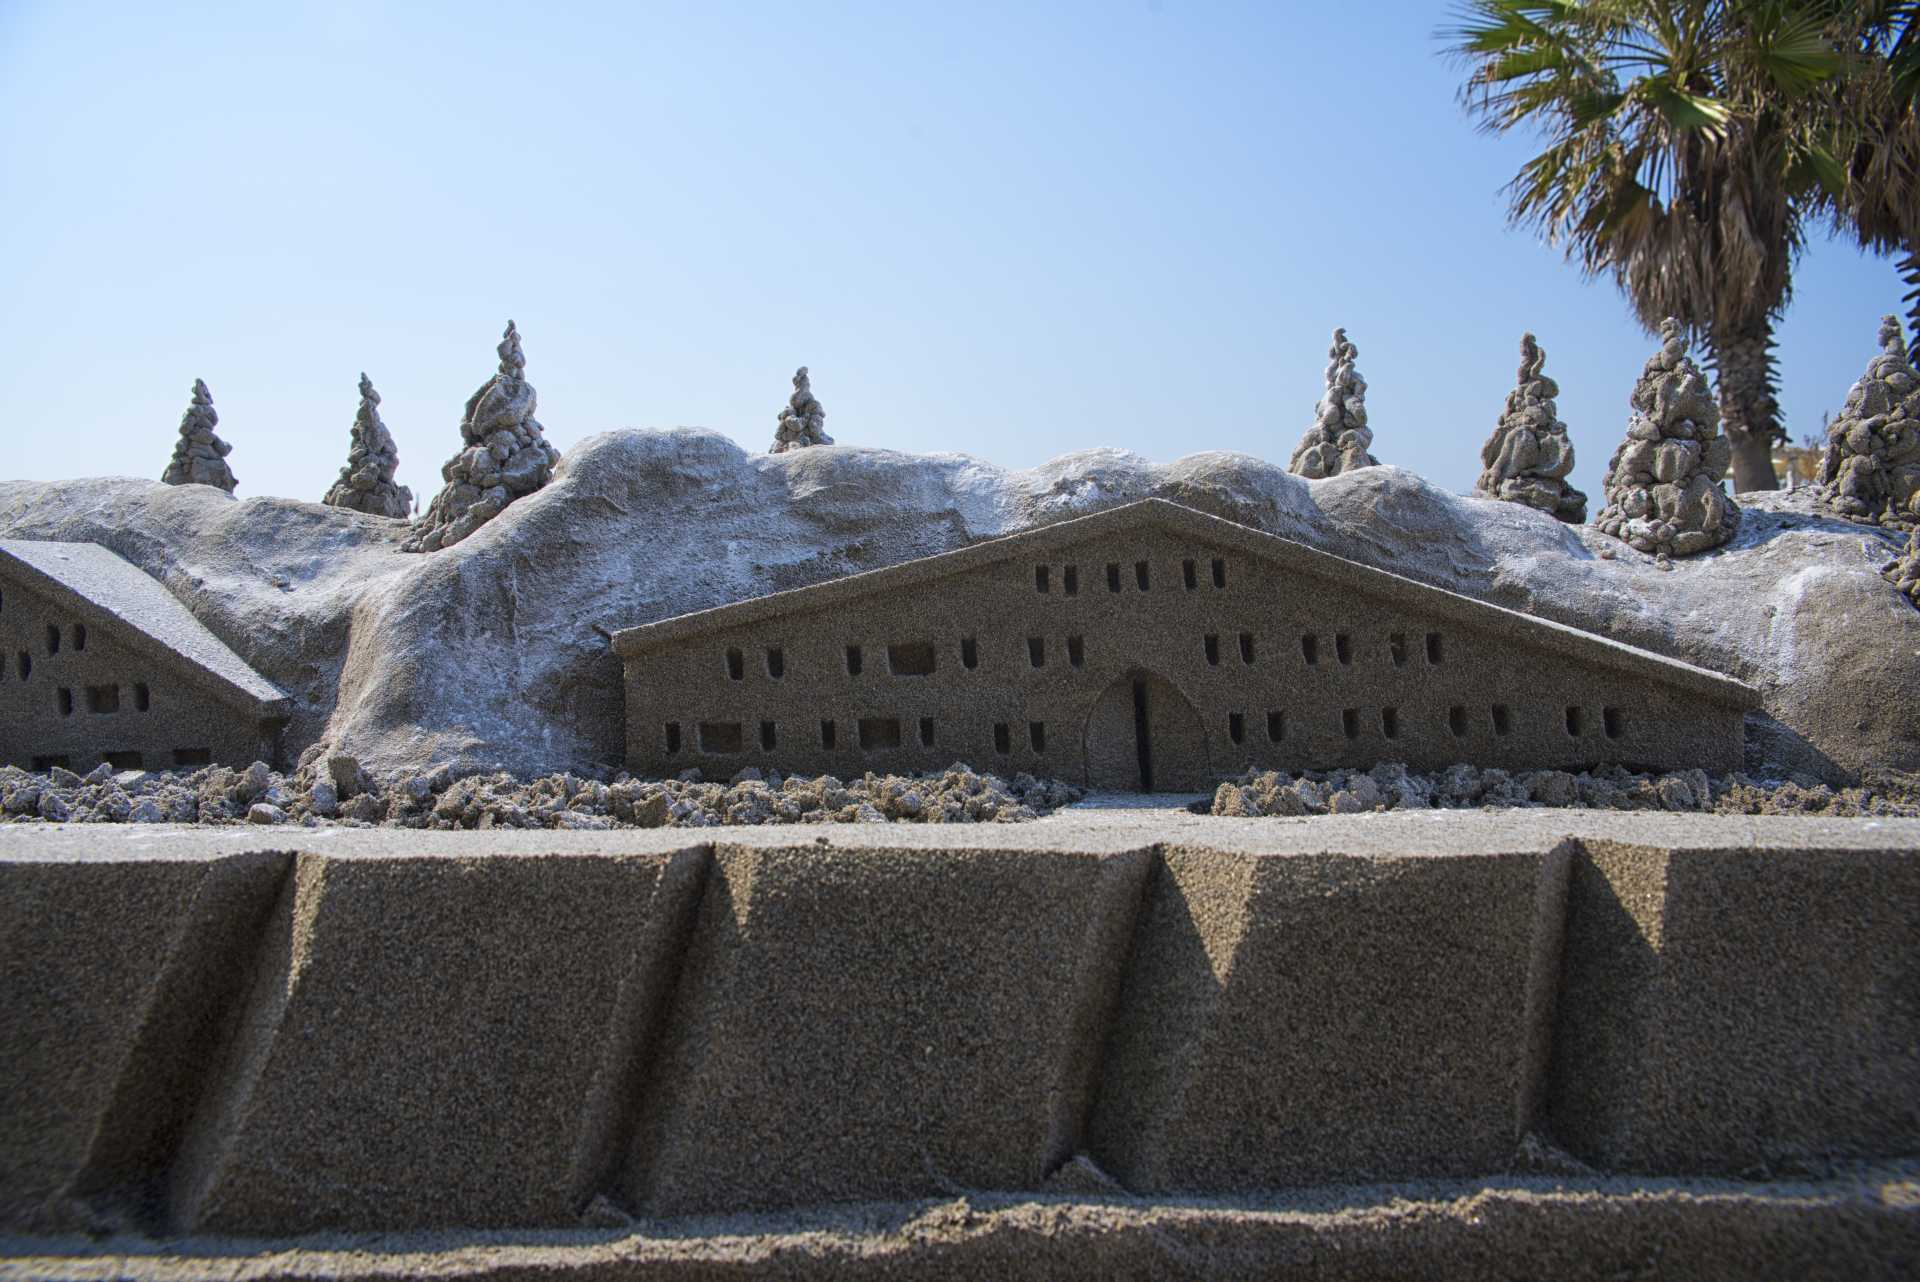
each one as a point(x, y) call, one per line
point(1529, 455)
point(1870, 471)
point(1339, 438)
point(1151, 647)
point(367, 482)
point(506, 456)
point(200, 456)
point(1663, 484)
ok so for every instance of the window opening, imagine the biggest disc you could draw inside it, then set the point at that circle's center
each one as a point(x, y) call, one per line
point(53, 639)
point(1610, 720)
point(1187, 575)
point(43, 764)
point(1576, 721)
point(1140, 574)
point(1213, 649)
point(66, 701)
point(912, 659)
point(193, 756)
point(768, 733)
point(1037, 651)
point(23, 664)
point(1350, 722)
point(1077, 651)
point(827, 735)
point(1037, 735)
point(1276, 726)
point(1457, 721)
point(1502, 719)
point(1390, 722)
point(1310, 648)
point(1142, 741)
point(1237, 727)
point(103, 699)
point(1246, 648)
point(736, 665)
point(853, 660)
point(776, 662)
point(142, 697)
point(79, 636)
point(721, 736)
point(879, 732)
point(673, 737)
point(926, 732)
point(1070, 580)
point(1433, 647)
point(1397, 646)
point(1219, 573)
point(1002, 738)
point(1113, 576)
point(1343, 648)
point(969, 653)
point(1040, 579)
point(124, 760)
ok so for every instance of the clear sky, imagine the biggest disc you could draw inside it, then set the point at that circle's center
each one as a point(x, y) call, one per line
point(1012, 231)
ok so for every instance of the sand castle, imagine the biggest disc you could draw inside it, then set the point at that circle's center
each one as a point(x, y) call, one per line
point(506, 456)
point(1338, 440)
point(802, 421)
point(1529, 455)
point(1663, 483)
point(200, 456)
point(1871, 469)
point(367, 482)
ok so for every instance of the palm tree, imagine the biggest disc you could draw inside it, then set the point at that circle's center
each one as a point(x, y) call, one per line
point(1669, 164)
point(1874, 118)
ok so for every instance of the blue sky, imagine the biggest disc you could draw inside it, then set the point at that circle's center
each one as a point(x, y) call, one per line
point(1012, 231)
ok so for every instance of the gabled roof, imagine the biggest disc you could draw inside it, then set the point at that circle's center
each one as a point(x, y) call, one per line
point(102, 589)
point(1440, 604)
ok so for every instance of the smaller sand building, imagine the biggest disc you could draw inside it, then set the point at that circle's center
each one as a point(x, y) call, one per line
point(102, 663)
point(1153, 647)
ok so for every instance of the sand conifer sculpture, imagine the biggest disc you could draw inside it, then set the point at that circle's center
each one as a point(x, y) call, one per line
point(1663, 483)
point(803, 422)
point(1904, 570)
point(505, 457)
point(1529, 455)
point(1338, 440)
point(367, 483)
point(1870, 471)
point(199, 456)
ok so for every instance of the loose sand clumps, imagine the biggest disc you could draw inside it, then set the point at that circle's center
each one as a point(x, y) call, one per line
point(1391, 786)
point(1663, 483)
point(336, 790)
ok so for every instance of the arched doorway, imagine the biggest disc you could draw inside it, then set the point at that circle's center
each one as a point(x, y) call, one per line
point(1144, 736)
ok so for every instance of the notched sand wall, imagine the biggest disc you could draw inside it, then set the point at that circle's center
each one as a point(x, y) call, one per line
point(272, 1043)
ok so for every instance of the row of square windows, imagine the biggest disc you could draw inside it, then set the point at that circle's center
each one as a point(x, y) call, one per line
point(870, 734)
point(102, 700)
point(23, 662)
point(129, 760)
point(877, 733)
point(922, 658)
point(1460, 721)
point(1142, 577)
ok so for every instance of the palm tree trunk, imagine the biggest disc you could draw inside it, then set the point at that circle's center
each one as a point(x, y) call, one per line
point(1910, 273)
point(1742, 359)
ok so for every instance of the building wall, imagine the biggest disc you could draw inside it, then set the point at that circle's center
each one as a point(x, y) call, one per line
point(1238, 662)
point(76, 694)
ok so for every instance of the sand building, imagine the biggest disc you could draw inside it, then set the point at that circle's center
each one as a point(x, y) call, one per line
point(1152, 647)
point(102, 663)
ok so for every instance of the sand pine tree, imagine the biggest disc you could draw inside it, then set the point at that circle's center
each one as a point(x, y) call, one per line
point(199, 456)
point(1339, 438)
point(367, 483)
point(803, 422)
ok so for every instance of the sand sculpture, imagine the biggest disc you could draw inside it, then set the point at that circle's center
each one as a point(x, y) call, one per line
point(199, 456)
point(1150, 647)
point(1529, 455)
point(1663, 483)
point(367, 483)
point(1871, 469)
point(803, 421)
point(1904, 570)
point(1338, 440)
point(506, 456)
point(105, 666)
